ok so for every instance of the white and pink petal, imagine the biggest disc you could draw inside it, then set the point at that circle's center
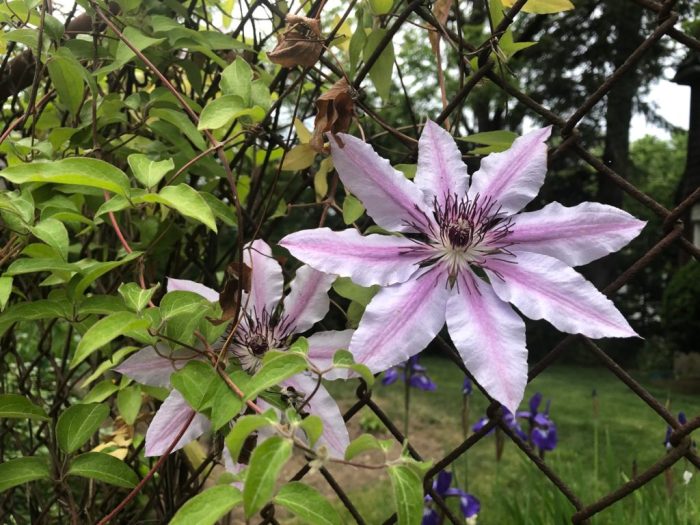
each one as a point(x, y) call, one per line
point(169, 422)
point(153, 366)
point(191, 286)
point(267, 280)
point(576, 235)
point(490, 338)
point(307, 302)
point(394, 202)
point(322, 348)
point(543, 287)
point(401, 320)
point(367, 260)
point(440, 171)
point(335, 433)
point(513, 177)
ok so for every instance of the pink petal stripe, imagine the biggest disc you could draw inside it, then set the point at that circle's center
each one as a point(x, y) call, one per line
point(335, 434)
point(395, 203)
point(367, 260)
point(168, 423)
point(191, 286)
point(154, 368)
point(441, 171)
point(401, 320)
point(515, 176)
point(322, 347)
point(575, 235)
point(543, 287)
point(490, 338)
point(267, 280)
point(307, 302)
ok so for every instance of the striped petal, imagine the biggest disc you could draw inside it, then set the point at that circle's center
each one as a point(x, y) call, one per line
point(322, 347)
point(307, 302)
point(367, 260)
point(394, 202)
point(267, 281)
point(401, 320)
point(171, 418)
point(513, 177)
point(575, 235)
point(191, 286)
point(154, 366)
point(490, 338)
point(543, 287)
point(335, 434)
point(441, 171)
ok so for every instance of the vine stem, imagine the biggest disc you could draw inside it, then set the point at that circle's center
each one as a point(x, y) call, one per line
point(134, 492)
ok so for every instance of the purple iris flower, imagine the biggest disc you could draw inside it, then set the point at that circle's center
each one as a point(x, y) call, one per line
point(543, 431)
point(682, 420)
point(415, 374)
point(467, 387)
point(468, 504)
point(508, 419)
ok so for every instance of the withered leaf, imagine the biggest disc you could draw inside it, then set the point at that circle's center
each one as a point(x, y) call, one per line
point(334, 112)
point(300, 44)
point(238, 277)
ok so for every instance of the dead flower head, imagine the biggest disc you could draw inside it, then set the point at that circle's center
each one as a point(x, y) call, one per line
point(334, 111)
point(300, 44)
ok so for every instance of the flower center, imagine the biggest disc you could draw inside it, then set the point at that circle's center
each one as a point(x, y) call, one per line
point(469, 230)
point(255, 335)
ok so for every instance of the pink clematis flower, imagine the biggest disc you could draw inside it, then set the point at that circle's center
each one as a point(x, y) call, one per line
point(264, 324)
point(465, 254)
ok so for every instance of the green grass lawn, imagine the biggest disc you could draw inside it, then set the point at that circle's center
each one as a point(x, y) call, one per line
point(628, 434)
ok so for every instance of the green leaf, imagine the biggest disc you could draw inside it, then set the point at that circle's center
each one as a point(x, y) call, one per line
point(129, 403)
point(96, 269)
point(543, 7)
point(281, 366)
point(180, 302)
point(345, 359)
point(19, 407)
point(181, 121)
point(381, 7)
point(307, 504)
point(313, 428)
point(381, 72)
point(67, 77)
point(236, 79)
point(222, 110)
point(104, 331)
point(266, 462)
point(352, 209)
point(22, 266)
point(224, 403)
point(344, 287)
point(361, 444)
point(407, 487)
point(78, 423)
point(299, 157)
point(409, 170)
point(101, 391)
point(149, 172)
point(193, 381)
point(75, 170)
point(53, 233)
point(499, 140)
point(103, 467)
point(135, 297)
point(124, 54)
point(208, 507)
point(189, 203)
point(5, 291)
point(21, 470)
point(245, 426)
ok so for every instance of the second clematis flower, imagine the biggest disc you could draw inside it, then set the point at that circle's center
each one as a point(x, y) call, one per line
point(464, 252)
point(268, 321)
